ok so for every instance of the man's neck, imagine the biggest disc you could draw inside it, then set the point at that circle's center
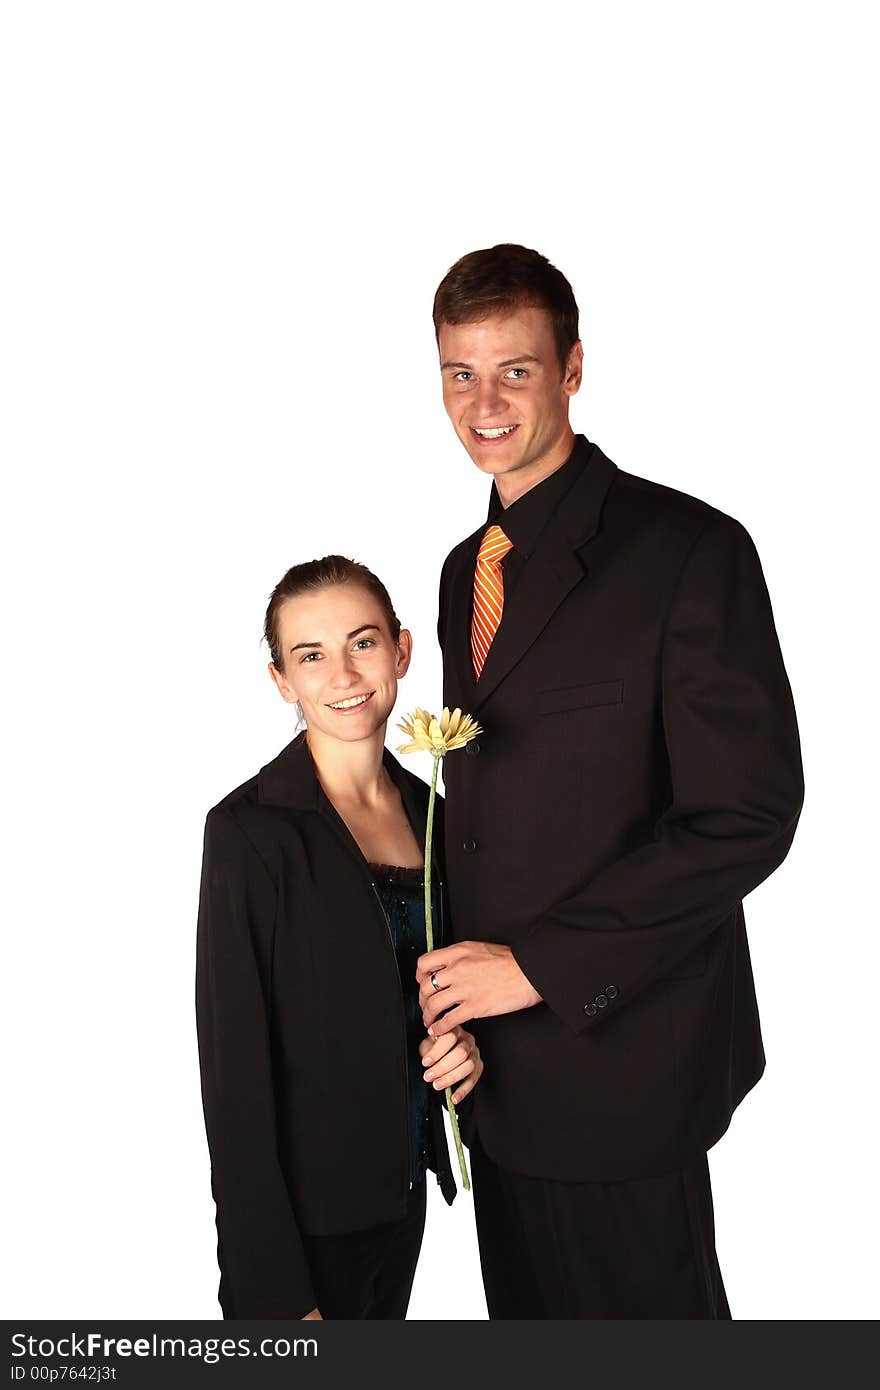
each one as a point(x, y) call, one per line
point(511, 486)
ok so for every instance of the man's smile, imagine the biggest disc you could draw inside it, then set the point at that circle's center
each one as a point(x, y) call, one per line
point(491, 436)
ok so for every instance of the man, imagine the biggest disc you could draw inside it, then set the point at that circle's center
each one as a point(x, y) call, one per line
point(638, 774)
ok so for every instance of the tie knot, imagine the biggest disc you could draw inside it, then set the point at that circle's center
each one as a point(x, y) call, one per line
point(494, 546)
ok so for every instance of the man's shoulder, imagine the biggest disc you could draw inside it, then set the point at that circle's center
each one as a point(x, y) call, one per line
point(661, 499)
point(637, 502)
point(463, 546)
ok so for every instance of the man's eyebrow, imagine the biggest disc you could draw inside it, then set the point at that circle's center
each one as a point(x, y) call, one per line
point(367, 627)
point(508, 362)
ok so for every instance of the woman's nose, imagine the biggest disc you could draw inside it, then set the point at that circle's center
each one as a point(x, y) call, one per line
point(345, 673)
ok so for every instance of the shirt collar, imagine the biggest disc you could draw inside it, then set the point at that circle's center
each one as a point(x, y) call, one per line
point(524, 520)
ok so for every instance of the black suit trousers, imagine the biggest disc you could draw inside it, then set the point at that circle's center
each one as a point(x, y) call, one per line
point(637, 1249)
point(369, 1274)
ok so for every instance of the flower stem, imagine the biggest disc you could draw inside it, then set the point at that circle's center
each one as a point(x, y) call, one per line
point(429, 938)
point(429, 921)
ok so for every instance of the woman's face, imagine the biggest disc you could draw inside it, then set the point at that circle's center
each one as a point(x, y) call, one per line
point(340, 661)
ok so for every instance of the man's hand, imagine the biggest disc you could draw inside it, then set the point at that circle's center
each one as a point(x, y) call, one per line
point(476, 979)
point(454, 1057)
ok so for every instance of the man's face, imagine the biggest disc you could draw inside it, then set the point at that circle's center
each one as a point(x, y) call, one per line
point(507, 395)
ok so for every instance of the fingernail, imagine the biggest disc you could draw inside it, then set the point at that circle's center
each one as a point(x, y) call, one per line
point(426, 1061)
point(429, 1076)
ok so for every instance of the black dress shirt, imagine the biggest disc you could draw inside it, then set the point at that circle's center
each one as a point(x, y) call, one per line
point(524, 520)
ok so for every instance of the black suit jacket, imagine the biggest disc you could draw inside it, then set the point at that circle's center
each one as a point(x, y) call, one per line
point(639, 774)
point(301, 1033)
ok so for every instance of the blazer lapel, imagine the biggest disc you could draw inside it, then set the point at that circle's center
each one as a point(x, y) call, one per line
point(291, 780)
point(460, 609)
point(550, 573)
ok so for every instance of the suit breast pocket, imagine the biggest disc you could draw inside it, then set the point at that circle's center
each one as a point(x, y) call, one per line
point(573, 697)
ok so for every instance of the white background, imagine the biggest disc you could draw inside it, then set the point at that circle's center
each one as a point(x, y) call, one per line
point(224, 226)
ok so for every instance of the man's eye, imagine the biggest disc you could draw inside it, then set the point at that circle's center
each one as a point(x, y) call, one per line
point(463, 376)
point(517, 372)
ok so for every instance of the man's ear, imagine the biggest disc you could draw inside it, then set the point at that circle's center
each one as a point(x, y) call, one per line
point(281, 682)
point(574, 369)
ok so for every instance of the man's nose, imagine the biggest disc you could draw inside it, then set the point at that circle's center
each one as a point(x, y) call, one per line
point(489, 399)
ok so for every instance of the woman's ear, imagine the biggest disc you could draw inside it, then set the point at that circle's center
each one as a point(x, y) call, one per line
point(404, 652)
point(284, 689)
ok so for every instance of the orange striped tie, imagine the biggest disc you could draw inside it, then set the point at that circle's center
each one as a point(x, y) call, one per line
point(488, 594)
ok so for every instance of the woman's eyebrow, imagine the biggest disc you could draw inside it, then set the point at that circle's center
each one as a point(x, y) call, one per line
point(367, 627)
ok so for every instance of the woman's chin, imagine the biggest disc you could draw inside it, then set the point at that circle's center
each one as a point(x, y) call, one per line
point(352, 728)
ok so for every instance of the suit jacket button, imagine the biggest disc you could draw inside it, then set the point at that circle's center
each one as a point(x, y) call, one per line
point(469, 846)
point(611, 991)
point(601, 1000)
point(590, 1010)
point(472, 748)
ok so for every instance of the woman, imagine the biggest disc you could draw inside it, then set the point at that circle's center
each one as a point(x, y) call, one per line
point(321, 1090)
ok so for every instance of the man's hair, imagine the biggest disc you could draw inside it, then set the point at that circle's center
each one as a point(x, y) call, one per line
point(320, 574)
point(502, 278)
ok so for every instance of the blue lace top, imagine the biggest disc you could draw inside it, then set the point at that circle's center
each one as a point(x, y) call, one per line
point(402, 892)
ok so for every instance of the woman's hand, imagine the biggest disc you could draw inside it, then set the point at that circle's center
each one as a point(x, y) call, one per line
point(313, 1316)
point(452, 1057)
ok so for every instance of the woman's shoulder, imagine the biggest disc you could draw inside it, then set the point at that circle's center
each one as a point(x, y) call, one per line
point(417, 786)
point(286, 783)
point(236, 801)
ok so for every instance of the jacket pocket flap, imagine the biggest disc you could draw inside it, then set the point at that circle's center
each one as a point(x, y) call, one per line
point(580, 697)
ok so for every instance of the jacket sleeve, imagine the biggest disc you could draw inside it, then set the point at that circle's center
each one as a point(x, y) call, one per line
point(736, 792)
point(264, 1273)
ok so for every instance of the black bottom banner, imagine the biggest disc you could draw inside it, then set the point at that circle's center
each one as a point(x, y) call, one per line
point(130, 1355)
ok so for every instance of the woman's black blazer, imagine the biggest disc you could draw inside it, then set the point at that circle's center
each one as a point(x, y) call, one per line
point(301, 1033)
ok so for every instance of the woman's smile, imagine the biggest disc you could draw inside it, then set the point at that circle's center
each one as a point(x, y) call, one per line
point(351, 703)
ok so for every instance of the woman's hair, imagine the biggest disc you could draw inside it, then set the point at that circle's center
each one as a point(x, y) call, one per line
point(320, 574)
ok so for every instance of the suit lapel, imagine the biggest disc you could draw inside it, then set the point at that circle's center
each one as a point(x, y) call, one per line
point(548, 576)
point(291, 780)
point(545, 582)
point(460, 609)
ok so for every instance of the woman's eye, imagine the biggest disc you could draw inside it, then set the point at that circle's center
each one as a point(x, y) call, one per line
point(309, 656)
point(365, 642)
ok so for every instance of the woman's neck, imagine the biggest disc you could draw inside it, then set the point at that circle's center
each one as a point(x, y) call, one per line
point(350, 773)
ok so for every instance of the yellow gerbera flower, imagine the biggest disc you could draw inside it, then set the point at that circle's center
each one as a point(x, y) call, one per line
point(438, 736)
point(427, 733)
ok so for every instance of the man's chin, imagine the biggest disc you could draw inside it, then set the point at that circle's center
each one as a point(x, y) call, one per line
point(492, 463)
